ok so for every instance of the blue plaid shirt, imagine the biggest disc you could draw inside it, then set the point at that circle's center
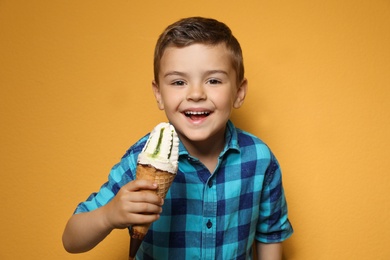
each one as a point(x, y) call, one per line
point(211, 216)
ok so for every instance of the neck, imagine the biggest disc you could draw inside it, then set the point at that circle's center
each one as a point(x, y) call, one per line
point(207, 151)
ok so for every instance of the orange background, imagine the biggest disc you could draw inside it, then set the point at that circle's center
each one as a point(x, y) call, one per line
point(75, 80)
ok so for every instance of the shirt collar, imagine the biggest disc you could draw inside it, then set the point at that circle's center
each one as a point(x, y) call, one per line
point(231, 140)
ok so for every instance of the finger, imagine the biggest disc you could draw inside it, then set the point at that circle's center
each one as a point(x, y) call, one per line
point(141, 185)
point(145, 208)
point(146, 196)
point(144, 218)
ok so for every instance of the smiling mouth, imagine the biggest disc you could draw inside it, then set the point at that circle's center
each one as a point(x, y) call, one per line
point(196, 115)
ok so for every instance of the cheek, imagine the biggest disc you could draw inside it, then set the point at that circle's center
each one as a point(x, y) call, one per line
point(170, 99)
point(223, 99)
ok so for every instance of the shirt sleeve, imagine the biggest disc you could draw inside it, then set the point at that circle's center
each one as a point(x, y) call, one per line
point(273, 225)
point(120, 174)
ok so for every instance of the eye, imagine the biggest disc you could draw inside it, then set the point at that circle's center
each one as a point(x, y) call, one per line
point(214, 81)
point(178, 83)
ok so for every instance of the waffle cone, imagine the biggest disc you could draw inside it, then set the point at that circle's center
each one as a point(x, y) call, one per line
point(164, 180)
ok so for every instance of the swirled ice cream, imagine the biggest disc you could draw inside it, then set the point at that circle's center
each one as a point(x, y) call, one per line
point(162, 148)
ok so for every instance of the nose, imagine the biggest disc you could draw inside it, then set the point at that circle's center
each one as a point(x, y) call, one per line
point(196, 92)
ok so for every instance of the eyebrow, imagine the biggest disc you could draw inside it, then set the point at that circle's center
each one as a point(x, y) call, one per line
point(209, 72)
point(174, 73)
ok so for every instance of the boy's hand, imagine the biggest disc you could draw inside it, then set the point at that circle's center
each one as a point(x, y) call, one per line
point(133, 204)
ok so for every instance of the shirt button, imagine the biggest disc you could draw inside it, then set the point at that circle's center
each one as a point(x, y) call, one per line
point(209, 224)
point(189, 158)
point(210, 184)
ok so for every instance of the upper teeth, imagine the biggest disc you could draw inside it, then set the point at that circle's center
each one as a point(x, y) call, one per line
point(196, 113)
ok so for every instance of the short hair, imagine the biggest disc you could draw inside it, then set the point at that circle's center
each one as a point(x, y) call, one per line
point(193, 30)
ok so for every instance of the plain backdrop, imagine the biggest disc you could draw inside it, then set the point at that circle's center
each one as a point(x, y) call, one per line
point(75, 93)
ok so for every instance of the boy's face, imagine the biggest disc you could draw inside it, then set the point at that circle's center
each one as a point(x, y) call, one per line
point(198, 90)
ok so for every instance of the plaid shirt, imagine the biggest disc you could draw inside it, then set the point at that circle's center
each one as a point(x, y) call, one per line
point(211, 216)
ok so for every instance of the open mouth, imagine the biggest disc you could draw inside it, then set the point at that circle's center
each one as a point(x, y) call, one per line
point(196, 115)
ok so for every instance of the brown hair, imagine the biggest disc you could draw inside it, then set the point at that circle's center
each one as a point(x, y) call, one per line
point(192, 30)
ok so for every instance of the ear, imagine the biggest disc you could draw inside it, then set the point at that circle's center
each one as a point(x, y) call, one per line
point(157, 95)
point(241, 93)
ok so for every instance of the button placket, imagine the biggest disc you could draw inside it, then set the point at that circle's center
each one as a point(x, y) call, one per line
point(209, 219)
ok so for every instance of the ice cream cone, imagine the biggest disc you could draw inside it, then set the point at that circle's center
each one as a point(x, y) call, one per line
point(164, 180)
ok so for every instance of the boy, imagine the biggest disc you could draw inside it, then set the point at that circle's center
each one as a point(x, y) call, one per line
point(228, 192)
